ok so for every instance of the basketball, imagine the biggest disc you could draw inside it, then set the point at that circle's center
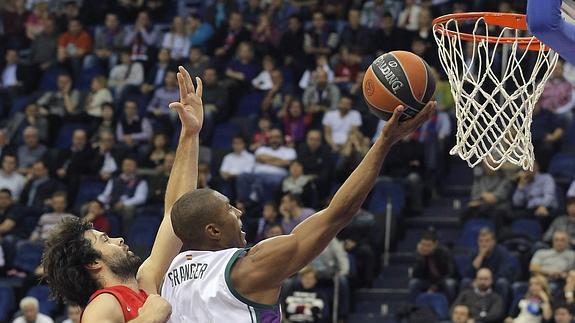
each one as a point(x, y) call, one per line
point(398, 78)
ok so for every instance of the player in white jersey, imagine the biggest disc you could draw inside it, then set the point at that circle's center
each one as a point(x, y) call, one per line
point(216, 279)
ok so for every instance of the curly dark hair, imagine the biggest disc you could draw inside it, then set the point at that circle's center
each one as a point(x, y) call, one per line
point(66, 253)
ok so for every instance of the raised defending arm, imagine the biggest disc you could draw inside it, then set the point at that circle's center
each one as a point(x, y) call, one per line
point(183, 178)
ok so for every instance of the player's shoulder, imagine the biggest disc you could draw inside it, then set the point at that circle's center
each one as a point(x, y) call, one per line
point(103, 308)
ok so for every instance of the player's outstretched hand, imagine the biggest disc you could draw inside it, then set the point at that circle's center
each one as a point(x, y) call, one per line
point(155, 309)
point(190, 108)
point(395, 130)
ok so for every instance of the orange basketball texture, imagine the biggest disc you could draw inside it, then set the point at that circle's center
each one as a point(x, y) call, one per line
point(398, 78)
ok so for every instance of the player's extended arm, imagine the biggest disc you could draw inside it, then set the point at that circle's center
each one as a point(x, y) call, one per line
point(183, 178)
point(545, 22)
point(259, 274)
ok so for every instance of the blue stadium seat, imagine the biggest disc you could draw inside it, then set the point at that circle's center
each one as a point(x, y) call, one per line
point(562, 167)
point(223, 134)
point(462, 262)
point(89, 190)
point(529, 227)
point(142, 233)
point(28, 256)
point(470, 231)
point(65, 133)
point(115, 225)
point(569, 138)
point(250, 104)
point(437, 301)
point(20, 103)
point(49, 80)
point(383, 192)
point(42, 294)
point(85, 81)
point(518, 290)
point(6, 303)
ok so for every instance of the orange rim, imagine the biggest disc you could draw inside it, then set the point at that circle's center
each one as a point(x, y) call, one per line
point(509, 20)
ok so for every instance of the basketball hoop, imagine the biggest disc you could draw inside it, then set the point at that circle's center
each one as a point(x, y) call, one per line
point(488, 129)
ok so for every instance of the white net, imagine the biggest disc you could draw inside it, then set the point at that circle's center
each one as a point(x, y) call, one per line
point(495, 86)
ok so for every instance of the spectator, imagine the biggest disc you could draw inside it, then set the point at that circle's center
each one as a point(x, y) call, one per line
point(155, 158)
point(220, 10)
point(354, 35)
point(133, 130)
point(30, 312)
point(484, 304)
point(107, 123)
point(44, 48)
point(357, 241)
point(565, 295)
point(347, 68)
point(350, 155)
point(295, 121)
point(321, 96)
point(75, 161)
point(14, 18)
point(159, 105)
point(563, 223)
point(494, 257)
point(215, 98)
point(264, 79)
point(291, 45)
point(409, 17)
point(99, 94)
point(309, 77)
point(460, 314)
point(262, 134)
point(13, 79)
point(127, 75)
point(534, 306)
point(339, 124)
point(124, 192)
point(228, 36)
point(535, 195)
point(74, 314)
point(73, 46)
point(265, 35)
point(177, 40)
point(158, 182)
point(107, 157)
point(242, 70)
point(293, 212)
point(489, 194)
point(96, 214)
point(433, 269)
point(315, 157)
point(297, 183)
point(269, 218)
point(274, 230)
point(30, 118)
point(563, 314)
point(280, 11)
point(141, 38)
point(279, 97)
point(204, 175)
point(554, 263)
point(197, 61)
point(108, 41)
point(558, 96)
point(9, 177)
point(48, 221)
point(10, 216)
point(269, 171)
point(237, 162)
point(373, 11)
point(200, 33)
point(39, 188)
point(547, 130)
point(31, 151)
point(63, 102)
point(305, 302)
point(69, 12)
point(320, 39)
point(388, 37)
point(5, 146)
point(156, 76)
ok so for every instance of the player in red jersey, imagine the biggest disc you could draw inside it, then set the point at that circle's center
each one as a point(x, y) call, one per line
point(85, 267)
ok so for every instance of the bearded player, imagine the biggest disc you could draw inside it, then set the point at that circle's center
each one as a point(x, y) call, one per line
point(85, 267)
point(218, 280)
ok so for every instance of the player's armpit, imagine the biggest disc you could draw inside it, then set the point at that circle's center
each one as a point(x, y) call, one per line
point(103, 309)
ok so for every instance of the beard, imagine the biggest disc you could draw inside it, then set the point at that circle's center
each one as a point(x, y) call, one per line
point(124, 266)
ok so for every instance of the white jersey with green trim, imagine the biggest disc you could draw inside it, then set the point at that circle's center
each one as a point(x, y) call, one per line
point(199, 288)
